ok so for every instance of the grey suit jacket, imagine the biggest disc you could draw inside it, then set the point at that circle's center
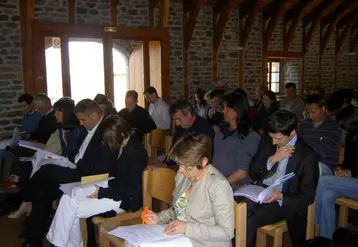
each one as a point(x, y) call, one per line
point(210, 209)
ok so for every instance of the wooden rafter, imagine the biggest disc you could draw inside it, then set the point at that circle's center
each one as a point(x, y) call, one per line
point(254, 8)
point(278, 9)
point(343, 10)
point(224, 17)
point(342, 38)
point(315, 17)
point(297, 15)
point(71, 11)
point(114, 4)
point(191, 21)
point(151, 6)
point(164, 13)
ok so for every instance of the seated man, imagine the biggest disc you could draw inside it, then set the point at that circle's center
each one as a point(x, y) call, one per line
point(281, 153)
point(136, 116)
point(31, 118)
point(186, 121)
point(321, 133)
point(92, 157)
point(293, 102)
point(158, 109)
point(48, 123)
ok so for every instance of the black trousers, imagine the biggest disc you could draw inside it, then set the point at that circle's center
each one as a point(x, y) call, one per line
point(259, 215)
point(43, 188)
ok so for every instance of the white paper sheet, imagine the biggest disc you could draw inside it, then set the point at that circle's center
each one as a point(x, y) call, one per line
point(179, 241)
point(83, 190)
point(137, 235)
point(260, 194)
point(31, 145)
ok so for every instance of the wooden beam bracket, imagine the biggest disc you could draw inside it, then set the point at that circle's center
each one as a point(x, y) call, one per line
point(245, 32)
point(220, 24)
point(342, 38)
point(189, 23)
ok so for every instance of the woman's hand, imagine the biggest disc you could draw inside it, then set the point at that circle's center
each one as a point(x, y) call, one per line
point(94, 195)
point(152, 218)
point(175, 227)
point(344, 173)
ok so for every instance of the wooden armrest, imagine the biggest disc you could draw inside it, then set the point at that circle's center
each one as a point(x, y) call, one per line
point(118, 218)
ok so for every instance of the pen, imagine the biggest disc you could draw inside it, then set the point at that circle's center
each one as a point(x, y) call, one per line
point(144, 218)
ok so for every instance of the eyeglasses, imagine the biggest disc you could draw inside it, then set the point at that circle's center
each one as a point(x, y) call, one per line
point(186, 168)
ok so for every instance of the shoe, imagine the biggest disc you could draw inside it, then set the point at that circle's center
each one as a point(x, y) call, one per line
point(25, 208)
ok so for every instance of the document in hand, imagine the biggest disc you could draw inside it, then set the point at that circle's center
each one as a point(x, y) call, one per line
point(260, 194)
point(139, 235)
point(43, 157)
point(80, 189)
point(31, 145)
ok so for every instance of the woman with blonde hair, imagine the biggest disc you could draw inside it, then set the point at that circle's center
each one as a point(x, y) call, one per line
point(203, 205)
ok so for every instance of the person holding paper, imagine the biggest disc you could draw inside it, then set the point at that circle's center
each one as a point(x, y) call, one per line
point(122, 193)
point(203, 205)
point(91, 157)
point(345, 181)
point(280, 153)
point(235, 141)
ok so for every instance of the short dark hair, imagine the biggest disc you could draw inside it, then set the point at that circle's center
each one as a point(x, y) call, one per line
point(347, 118)
point(151, 90)
point(183, 106)
point(270, 94)
point(67, 107)
point(216, 93)
point(317, 99)
point(290, 85)
point(87, 107)
point(101, 99)
point(241, 91)
point(28, 98)
point(132, 94)
point(283, 122)
point(114, 130)
point(42, 97)
point(239, 104)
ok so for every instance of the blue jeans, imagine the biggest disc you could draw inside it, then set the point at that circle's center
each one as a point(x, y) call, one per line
point(329, 189)
point(324, 170)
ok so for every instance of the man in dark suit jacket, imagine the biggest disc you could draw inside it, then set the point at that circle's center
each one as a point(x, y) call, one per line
point(92, 158)
point(280, 153)
point(48, 123)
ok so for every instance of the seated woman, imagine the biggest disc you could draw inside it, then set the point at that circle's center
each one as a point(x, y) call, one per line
point(200, 105)
point(270, 105)
point(124, 192)
point(345, 181)
point(61, 142)
point(235, 142)
point(105, 104)
point(203, 204)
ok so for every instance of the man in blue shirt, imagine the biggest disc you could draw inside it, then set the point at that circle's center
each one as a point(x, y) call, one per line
point(31, 118)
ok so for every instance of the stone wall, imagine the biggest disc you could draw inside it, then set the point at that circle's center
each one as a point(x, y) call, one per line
point(10, 67)
point(292, 71)
point(135, 13)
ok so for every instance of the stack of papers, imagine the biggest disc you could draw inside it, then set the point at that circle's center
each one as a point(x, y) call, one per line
point(260, 194)
point(43, 157)
point(143, 234)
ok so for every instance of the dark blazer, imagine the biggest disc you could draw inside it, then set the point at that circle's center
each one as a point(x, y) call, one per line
point(47, 126)
point(97, 157)
point(299, 192)
point(128, 169)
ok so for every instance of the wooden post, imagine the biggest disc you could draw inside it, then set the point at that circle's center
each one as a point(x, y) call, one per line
point(26, 18)
point(65, 64)
point(108, 67)
point(72, 11)
point(146, 66)
point(164, 13)
point(165, 58)
point(185, 73)
point(241, 69)
point(214, 50)
point(114, 11)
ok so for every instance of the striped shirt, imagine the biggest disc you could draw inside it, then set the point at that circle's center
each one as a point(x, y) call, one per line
point(324, 139)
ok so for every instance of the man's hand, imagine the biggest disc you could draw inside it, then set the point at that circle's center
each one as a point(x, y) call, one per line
point(277, 195)
point(282, 153)
point(344, 173)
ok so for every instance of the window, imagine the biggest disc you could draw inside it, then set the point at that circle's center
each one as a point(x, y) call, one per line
point(274, 75)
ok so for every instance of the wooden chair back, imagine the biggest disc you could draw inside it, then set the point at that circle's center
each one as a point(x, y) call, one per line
point(154, 141)
point(240, 224)
point(158, 183)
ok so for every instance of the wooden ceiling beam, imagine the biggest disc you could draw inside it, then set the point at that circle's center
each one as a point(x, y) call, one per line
point(320, 11)
point(191, 21)
point(342, 38)
point(343, 10)
point(347, 19)
point(71, 11)
point(282, 8)
point(253, 10)
point(114, 12)
point(224, 17)
point(317, 14)
point(300, 13)
point(164, 13)
point(327, 34)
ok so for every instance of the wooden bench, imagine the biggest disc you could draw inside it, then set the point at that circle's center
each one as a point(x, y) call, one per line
point(345, 204)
